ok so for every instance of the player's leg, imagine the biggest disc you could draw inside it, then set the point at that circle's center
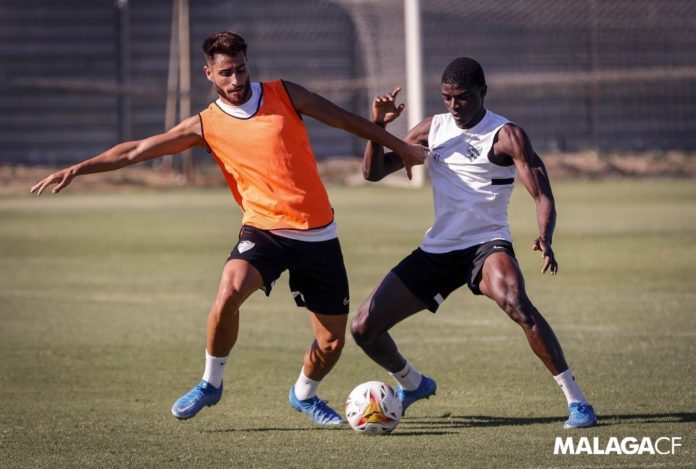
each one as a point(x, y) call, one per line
point(325, 350)
point(502, 281)
point(319, 282)
point(388, 304)
point(320, 358)
point(239, 280)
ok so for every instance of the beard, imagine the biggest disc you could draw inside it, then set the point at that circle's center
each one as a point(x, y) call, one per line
point(238, 97)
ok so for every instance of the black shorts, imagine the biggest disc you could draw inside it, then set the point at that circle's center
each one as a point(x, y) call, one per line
point(432, 277)
point(318, 278)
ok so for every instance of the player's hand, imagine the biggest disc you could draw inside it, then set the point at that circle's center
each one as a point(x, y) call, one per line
point(415, 155)
point(384, 108)
point(547, 255)
point(61, 179)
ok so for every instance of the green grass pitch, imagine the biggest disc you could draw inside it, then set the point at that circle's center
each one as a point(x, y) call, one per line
point(104, 298)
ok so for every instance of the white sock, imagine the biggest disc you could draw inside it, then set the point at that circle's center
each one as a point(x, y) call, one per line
point(409, 378)
point(214, 369)
point(572, 392)
point(305, 387)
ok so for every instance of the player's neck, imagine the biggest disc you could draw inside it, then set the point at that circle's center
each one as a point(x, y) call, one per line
point(478, 117)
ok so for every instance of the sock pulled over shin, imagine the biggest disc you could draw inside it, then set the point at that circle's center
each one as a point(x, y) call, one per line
point(409, 377)
point(305, 387)
point(570, 389)
point(214, 369)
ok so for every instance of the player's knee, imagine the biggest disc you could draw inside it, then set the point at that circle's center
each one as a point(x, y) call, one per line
point(332, 344)
point(516, 308)
point(229, 301)
point(360, 330)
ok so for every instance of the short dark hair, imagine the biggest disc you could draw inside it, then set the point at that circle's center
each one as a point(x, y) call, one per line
point(464, 72)
point(224, 42)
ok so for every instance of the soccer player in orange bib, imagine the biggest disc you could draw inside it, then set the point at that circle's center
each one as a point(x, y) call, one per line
point(256, 134)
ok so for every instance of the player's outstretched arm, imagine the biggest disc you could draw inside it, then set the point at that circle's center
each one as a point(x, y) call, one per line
point(182, 137)
point(514, 142)
point(376, 164)
point(325, 111)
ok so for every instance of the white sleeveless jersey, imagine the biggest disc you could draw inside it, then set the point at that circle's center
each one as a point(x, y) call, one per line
point(471, 193)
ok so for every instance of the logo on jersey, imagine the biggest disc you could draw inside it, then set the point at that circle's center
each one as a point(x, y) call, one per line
point(472, 153)
point(434, 155)
point(244, 246)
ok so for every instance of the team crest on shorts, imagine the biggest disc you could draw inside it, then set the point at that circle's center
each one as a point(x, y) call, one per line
point(244, 246)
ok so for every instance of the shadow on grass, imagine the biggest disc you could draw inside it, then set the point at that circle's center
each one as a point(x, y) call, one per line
point(464, 421)
point(271, 429)
point(423, 432)
point(449, 424)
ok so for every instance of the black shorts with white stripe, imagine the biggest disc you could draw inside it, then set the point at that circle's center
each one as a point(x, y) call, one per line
point(318, 278)
point(432, 277)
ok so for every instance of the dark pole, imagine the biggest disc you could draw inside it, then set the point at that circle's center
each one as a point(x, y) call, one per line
point(124, 75)
point(172, 81)
point(184, 31)
point(592, 87)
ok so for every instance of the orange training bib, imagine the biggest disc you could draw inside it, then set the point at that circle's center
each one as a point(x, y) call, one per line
point(269, 164)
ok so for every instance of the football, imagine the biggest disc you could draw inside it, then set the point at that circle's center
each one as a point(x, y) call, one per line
point(372, 408)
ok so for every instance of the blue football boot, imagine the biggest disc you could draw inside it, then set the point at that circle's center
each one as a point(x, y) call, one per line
point(203, 394)
point(316, 409)
point(581, 416)
point(425, 389)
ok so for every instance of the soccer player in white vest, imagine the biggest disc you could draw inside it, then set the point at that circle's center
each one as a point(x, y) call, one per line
point(474, 158)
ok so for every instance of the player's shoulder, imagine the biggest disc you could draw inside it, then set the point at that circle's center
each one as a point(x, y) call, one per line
point(190, 125)
point(279, 82)
point(511, 131)
point(496, 118)
point(438, 121)
point(441, 126)
point(441, 118)
point(211, 107)
point(512, 140)
point(500, 124)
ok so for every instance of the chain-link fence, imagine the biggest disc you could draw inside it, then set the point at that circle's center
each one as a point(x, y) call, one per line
point(77, 76)
point(608, 75)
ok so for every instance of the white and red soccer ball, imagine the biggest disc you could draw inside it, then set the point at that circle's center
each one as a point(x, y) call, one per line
point(372, 408)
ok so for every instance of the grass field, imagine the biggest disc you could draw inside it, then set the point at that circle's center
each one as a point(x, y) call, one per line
point(104, 297)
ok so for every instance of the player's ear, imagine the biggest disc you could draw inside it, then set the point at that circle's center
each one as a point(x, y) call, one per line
point(208, 73)
point(484, 90)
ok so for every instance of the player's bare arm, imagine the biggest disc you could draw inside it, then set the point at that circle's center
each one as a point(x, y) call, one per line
point(185, 135)
point(512, 141)
point(377, 164)
point(327, 112)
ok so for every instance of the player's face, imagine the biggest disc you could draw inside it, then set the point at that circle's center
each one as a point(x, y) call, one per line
point(465, 103)
point(230, 77)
